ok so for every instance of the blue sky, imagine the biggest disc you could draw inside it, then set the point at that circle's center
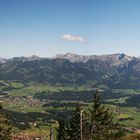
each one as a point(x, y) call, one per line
point(48, 27)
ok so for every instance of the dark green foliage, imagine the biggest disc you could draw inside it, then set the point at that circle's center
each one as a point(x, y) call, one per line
point(70, 130)
point(96, 125)
point(5, 126)
point(62, 133)
point(1, 106)
point(101, 120)
point(84, 95)
point(74, 127)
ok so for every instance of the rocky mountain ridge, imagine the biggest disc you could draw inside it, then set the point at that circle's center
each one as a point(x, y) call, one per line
point(114, 59)
point(113, 71)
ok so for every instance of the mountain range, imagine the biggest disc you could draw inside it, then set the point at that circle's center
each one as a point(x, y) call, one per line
point(109, 71)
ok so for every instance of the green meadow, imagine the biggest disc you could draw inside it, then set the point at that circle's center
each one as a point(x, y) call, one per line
point(35, 108)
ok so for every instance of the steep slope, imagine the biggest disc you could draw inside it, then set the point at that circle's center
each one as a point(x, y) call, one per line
point(55, 71)
point(2, 60)
point(113, 59)
point(128, 75)
point(115, 71)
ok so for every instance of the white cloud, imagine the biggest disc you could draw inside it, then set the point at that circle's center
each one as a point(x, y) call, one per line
point(69, 37)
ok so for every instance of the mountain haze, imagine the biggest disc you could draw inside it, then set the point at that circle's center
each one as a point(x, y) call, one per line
point(113, 71)
point(113, 59)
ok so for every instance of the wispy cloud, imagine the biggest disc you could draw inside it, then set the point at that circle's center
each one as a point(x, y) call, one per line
point(69, 37)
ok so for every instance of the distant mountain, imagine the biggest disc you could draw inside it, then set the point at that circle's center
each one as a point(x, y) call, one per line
point(112, 71)
point(113, 59)
point(33, 57)
point(2, 60)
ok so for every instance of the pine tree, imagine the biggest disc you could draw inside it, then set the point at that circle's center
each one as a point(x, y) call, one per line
point(5, 126)
point(74, 127)
point(97, 124)
point(62, 133)
point(101, 120)
point(70, 130)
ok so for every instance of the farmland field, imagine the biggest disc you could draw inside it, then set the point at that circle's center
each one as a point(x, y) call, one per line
point(35, 108)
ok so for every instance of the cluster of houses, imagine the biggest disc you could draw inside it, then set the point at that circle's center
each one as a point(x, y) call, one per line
point(25, 101)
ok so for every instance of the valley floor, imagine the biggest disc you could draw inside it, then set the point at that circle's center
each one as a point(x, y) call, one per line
point(34, 108)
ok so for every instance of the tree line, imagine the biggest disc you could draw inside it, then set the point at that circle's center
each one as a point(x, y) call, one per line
point(94, 123)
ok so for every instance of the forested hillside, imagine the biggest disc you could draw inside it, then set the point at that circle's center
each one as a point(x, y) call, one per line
point(112, 71)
